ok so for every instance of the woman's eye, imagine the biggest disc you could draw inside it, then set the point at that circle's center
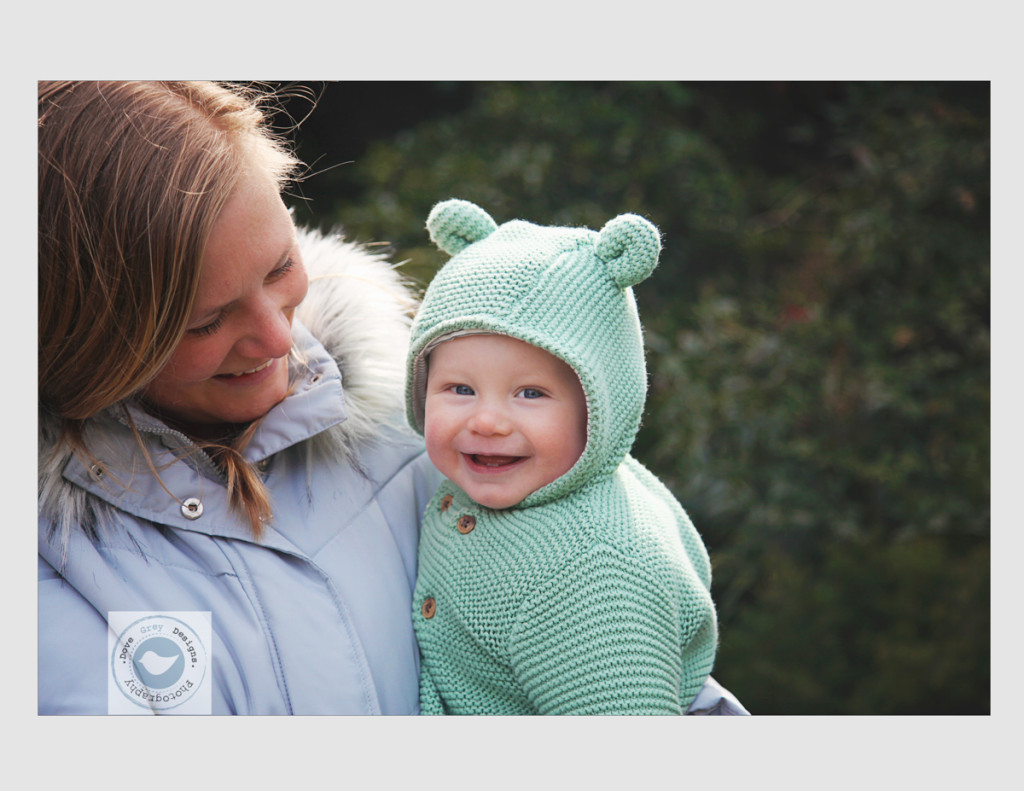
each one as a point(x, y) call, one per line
point(208, 329)
point(282, 270)
point(465, 390)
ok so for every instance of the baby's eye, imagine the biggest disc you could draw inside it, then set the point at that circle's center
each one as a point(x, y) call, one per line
point(531, 392)
point(465, 390)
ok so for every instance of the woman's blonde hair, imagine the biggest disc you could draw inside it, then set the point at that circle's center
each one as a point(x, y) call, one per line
point(132, 178)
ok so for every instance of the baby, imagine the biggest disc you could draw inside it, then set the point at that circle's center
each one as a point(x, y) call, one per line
point(556, 574)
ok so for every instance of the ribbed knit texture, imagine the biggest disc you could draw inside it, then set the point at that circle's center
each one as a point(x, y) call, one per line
point(592, 595)
point(592, 604)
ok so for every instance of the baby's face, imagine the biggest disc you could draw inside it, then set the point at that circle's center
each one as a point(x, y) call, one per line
point(502, 418)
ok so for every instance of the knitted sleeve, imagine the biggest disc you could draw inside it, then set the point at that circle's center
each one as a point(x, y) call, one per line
point(603, 637)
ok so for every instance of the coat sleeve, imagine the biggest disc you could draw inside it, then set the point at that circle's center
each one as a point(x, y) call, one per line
point(603, 637)
point(72, 649)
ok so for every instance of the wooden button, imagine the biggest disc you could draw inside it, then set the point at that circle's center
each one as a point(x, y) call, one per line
point(429, 608)
point(446, 502)
point(465, 524)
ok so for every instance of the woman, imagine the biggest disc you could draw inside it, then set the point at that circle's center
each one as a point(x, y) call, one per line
point(229, 498)
point(211, 441)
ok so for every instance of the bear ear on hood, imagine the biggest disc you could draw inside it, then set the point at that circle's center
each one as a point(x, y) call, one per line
point(629, 246)
point(455, 224)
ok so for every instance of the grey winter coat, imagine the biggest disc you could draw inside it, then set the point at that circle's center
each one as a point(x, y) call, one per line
point(315, 617)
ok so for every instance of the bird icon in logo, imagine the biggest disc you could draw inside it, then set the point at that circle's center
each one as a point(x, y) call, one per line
point(155, 664)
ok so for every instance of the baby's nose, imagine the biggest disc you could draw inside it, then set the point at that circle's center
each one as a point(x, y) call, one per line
point(488, 420)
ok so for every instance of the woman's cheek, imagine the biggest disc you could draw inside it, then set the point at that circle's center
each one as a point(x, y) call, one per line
point(198, 360)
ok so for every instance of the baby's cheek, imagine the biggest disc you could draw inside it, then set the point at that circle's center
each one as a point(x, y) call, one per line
point(438, 446)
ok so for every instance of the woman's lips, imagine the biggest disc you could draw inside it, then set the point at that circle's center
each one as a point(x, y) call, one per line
point(252, 376)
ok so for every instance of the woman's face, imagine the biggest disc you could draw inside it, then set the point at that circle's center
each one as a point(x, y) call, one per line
point(231, 366)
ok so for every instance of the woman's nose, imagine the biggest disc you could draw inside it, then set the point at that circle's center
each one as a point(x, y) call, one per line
point(270, 334)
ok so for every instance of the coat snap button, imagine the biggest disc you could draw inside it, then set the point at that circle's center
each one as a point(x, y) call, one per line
point(429, 608)
point(465, 524)
point(192, 508)
point(97, 472)
point(446, 502)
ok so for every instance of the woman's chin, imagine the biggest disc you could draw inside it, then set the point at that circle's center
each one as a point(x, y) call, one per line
point(219, 413)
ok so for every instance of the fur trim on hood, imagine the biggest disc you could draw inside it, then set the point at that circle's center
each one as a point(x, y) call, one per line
point(358, 306)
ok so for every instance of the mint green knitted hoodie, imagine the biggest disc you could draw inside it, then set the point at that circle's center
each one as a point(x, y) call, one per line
point(592, 595)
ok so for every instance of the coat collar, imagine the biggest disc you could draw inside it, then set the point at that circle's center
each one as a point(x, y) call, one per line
point(120, 473)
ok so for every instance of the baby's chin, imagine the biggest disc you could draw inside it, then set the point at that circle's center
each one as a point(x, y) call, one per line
point(499, 503)
point(494, 497)
point(499, 498)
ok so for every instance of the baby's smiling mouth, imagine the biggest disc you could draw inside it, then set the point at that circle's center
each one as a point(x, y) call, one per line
point(493, 462)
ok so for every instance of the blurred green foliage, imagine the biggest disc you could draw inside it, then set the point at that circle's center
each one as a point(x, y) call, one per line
point(818, 339)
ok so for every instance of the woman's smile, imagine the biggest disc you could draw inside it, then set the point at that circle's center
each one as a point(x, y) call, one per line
point(251, 370)
point(247, 377)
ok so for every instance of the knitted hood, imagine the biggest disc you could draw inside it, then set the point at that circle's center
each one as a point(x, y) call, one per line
point(566, 290)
